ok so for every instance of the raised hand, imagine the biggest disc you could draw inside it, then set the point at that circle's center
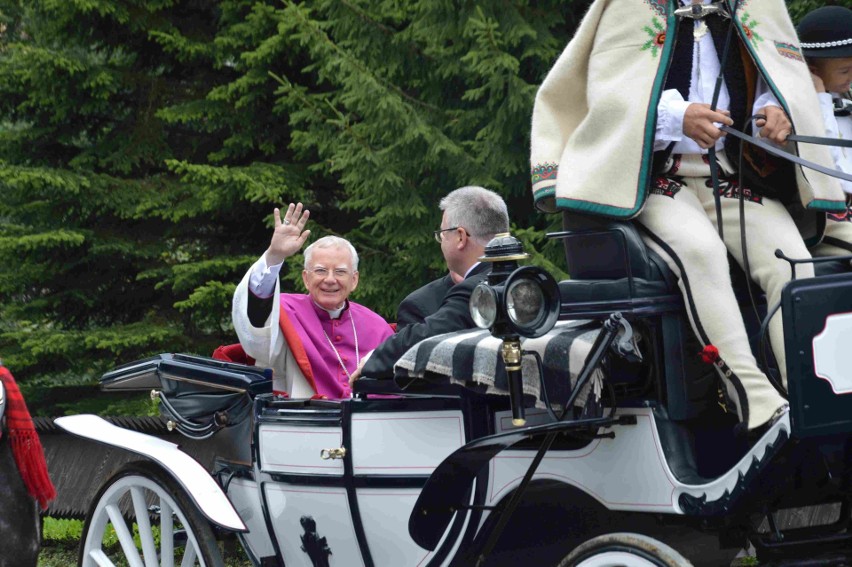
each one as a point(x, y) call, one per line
point(289, 234)
point(699, 123)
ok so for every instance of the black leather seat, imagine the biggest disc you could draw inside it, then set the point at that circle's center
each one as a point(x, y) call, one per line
point(610, 249)
point(612, 269)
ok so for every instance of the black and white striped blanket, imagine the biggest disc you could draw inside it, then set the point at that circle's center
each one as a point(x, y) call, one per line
point(472, 359)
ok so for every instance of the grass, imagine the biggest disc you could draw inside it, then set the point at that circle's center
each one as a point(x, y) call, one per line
point(61, 540)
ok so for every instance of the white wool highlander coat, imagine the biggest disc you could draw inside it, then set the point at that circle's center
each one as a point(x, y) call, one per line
point(594, 118)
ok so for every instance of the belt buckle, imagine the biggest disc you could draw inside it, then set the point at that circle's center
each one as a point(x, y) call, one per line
point(701, 11)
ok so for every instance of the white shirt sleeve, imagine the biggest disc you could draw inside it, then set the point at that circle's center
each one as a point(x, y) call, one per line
point(263, 278)
point(832, 130)
point(763, 97)
point(266, 344)
point(670, 111)
point(826, 106)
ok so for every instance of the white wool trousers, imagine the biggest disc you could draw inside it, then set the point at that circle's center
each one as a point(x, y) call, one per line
point(680, 224)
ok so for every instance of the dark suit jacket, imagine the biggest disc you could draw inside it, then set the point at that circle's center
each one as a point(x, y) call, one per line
point(422, 302)
point(453, 315)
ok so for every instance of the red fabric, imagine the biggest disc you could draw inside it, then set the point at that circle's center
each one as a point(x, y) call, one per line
point(294, 341)
point(236, 353)
point(709, 354)
point(233, 353)
point(25, 444)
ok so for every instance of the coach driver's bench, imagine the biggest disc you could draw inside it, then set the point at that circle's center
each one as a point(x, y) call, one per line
point(612, 269)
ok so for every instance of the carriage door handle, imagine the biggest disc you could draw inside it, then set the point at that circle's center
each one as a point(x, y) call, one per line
point(338, 453)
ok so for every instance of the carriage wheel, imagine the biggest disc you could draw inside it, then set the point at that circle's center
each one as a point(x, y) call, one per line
point(624, 550)
point(141, 494)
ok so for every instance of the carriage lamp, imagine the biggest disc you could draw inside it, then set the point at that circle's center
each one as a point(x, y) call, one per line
point(514, 302)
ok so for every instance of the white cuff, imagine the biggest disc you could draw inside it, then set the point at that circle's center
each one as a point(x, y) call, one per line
point(263, 278)
point(670, 111)
point(672, 107)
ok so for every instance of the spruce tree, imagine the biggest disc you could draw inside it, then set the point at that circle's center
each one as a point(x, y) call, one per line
point(144, 143)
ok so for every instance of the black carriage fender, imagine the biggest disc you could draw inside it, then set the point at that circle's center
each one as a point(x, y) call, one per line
point(446, 489)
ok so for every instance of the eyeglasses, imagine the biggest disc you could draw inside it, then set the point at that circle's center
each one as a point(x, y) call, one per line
point(339, 273)
point(439, 236)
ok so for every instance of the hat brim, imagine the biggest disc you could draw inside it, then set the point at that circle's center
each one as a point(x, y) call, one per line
point(837, 52)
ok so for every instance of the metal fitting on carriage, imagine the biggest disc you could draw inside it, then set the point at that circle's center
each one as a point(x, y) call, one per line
point(155, 394)
point(511, 350)
point(336, 453)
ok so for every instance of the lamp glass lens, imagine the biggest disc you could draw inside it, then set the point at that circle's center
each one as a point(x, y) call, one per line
point(483, 306)
point(525, 302)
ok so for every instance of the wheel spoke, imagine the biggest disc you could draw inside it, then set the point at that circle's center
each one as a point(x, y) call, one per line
point(125, 538)
point(188, 554)
point(167, 535)
point(186, 538)
point(99, 557)
point(143, 522)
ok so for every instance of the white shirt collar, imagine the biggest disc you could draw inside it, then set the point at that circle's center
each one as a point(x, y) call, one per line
point(333, 313)
point(470, 269)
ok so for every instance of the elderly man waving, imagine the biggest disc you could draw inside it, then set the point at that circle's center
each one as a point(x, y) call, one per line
point(313, 342)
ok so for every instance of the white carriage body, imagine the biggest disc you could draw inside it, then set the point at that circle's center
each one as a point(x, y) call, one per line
point(347, 478)
point(392, 455)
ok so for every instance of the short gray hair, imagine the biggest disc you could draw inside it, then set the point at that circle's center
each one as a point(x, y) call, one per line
point(481, 212)
point(332, 242)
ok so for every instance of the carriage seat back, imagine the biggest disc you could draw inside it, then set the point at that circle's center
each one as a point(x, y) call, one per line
point(601, 248)
point(611, 268)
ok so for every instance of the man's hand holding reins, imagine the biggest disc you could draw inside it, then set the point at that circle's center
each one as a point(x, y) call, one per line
point(776, 127)
point(699, 123)
point(289, 234)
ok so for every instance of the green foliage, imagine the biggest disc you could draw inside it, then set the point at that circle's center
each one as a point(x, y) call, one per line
point(144, 143)
point(798, 8)
point(61, 530)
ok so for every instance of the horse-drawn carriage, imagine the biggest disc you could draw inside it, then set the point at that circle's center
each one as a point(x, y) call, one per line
point(612, 447)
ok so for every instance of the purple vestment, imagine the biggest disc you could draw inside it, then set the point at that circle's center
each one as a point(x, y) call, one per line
point(308, 323)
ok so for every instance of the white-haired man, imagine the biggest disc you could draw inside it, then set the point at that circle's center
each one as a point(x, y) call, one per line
point(314, 341)
point(472, 216)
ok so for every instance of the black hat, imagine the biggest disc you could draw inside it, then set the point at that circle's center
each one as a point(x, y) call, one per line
point(826, 32)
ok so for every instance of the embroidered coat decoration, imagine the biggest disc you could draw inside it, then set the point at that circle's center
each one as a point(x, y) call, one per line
point(292, 342)
point(594, 117)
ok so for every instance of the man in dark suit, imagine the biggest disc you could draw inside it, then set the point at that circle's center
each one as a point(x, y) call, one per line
point(424, 301)
point(472, 217)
